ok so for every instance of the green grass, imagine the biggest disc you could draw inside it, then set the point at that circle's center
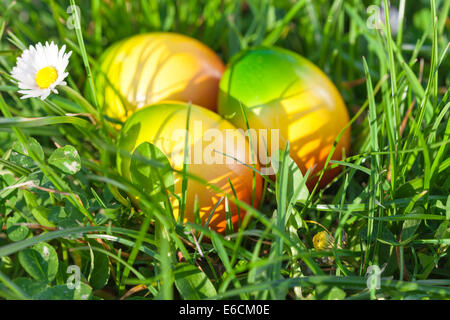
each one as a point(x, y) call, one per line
point(389, 207)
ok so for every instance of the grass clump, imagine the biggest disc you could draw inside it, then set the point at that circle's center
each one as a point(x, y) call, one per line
point(388, 211)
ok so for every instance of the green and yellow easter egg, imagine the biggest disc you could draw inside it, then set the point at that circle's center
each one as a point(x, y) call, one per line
point(218, 154)
point(279, 89)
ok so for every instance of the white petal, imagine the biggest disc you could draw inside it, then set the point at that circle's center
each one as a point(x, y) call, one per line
point(34, 59)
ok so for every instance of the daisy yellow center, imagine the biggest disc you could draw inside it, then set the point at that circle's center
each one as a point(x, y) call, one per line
point(46, 77)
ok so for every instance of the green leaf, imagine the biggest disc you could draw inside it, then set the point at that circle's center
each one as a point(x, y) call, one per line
point(329, 293)
point(63, 292)
point(33, 145)
point(447, 208)
point(21, 156)
point(192, 283)
point(66, 216)
point(66, 159)
point(99, 274)
point(9, 179)
point(40, 262)
point(152, 179)
point(443, 231)
point(296, 187)
point(15, 231)
point(14, 168)
point(31, 287)
point(428, 263)
point(40, 213)
point(6, 264)
point(410, 226)
point(387, 237)
point(22, 160)
point(9, 193)
point(410, 188)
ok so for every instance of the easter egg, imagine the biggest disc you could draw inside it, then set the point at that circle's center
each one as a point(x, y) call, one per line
point(276, 89)
point(155, 67)
point(219, 155)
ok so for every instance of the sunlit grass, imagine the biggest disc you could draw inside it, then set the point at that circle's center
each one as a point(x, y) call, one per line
point(389, 207)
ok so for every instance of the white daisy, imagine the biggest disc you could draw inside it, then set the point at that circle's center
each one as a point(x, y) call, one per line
point(41, 69)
